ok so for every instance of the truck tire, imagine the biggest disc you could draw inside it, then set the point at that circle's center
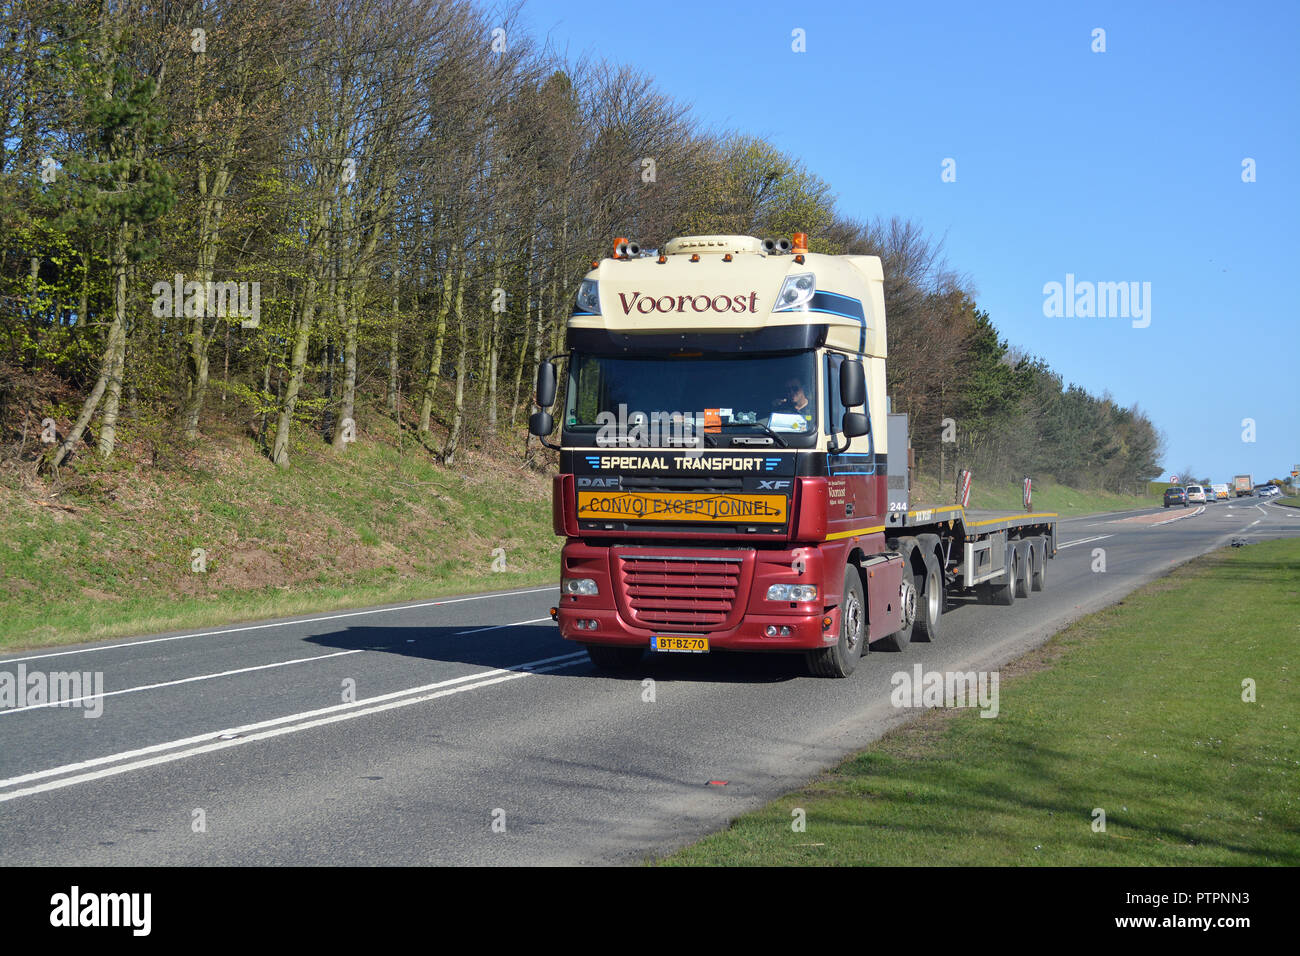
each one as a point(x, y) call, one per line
point(910, 599)
point(1005, 593)
point(1024, 567)
point(615, 659)
point(930, 601)
point(1039, 580)
point(840, 660)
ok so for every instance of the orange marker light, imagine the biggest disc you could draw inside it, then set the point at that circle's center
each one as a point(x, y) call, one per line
point(695, 257)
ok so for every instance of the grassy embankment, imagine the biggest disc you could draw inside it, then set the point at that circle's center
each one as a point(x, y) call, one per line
point(1137, 710)
point(113, 554)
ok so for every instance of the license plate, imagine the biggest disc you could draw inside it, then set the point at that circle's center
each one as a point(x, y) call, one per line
point(677, 644)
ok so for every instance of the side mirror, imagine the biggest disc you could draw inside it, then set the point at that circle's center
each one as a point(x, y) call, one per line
point(541, 424)
point(853, 386)
point(855, 424)
point(545, 388)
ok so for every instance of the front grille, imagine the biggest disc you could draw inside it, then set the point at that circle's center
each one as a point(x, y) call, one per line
point(679, 594)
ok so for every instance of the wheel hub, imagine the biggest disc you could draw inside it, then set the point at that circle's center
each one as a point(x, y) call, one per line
point(852, 622)
point(907, 600)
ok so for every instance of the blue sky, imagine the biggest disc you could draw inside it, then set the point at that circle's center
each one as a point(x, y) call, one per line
point(1117, 166)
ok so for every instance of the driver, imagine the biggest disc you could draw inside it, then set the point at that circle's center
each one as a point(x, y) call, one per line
point(795, 401)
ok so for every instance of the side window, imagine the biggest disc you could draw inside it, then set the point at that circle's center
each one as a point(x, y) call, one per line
point(834, 410)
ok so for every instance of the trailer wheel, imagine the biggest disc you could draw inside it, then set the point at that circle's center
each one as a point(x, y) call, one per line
point(1005, 593)
point(840, 660)
point(608, 658)
point(1024, 562)
point(1039, 578)
point(930, 601)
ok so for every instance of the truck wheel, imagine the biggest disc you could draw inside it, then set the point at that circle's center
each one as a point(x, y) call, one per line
point(840, 660)
point(1039, 579)
point(1024, 565)
point(1005, 593)
point(608, 658)
point(930, 601)
point(910, 600)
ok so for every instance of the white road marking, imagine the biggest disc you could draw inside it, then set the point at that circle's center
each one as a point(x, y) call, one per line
point(252, 732)
point(1071, 544)
point(1192, 514)
point(181, 680)
point(256, 627)
point(497, 627)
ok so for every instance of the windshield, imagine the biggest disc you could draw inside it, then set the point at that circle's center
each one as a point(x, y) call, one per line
point(666, 395)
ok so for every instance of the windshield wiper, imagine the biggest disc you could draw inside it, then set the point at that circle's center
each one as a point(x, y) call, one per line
point(775, 437)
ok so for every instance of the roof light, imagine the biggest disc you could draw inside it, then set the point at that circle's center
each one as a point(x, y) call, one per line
point(800, 241)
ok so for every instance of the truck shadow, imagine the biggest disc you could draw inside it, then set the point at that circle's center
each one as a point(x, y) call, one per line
point(508, 648)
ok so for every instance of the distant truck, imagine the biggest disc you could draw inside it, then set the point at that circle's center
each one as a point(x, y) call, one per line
point(730, 476)
point(1243, 485)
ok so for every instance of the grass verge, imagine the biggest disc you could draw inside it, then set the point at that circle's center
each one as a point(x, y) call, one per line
point(219, 535)
point(1137, 711)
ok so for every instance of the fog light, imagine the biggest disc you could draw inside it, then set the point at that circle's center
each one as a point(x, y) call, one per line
point(585, 586)
point(785, 631)
point(771, 630)
point(792, 592)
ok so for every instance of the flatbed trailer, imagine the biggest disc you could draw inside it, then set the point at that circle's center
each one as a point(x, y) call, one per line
point(731, 477)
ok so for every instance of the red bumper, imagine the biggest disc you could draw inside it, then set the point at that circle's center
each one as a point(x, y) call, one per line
point(718, 593)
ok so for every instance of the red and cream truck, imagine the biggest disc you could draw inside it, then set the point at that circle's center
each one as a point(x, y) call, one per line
point(730, 477)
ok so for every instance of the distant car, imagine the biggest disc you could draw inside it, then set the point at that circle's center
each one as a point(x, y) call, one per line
point(1222, 492)
point(1195, 494)
point(1267, 491)
point(1175, 496)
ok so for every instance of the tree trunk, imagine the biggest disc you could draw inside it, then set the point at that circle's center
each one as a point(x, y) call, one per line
point(453, 439)
point(297, 363)
point(392, 364)
point(117, 349)
point(348, 305)
point(435, 358)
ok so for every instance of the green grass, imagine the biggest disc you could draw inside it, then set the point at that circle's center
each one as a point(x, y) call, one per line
point(113, 553)
point(1289, 501)
point(1137, 710)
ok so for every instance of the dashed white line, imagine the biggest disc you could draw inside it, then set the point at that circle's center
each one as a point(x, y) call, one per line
point(62, 702)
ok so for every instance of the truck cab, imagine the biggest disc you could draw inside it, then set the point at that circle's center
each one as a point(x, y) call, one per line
point(723, 451)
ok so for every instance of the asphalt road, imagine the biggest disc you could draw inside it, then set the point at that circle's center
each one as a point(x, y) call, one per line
point(474, 734)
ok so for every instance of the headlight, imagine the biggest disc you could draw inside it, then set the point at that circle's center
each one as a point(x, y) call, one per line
point(579, 586)
point(792, 592)
point(589, 296)
point(796, 292)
